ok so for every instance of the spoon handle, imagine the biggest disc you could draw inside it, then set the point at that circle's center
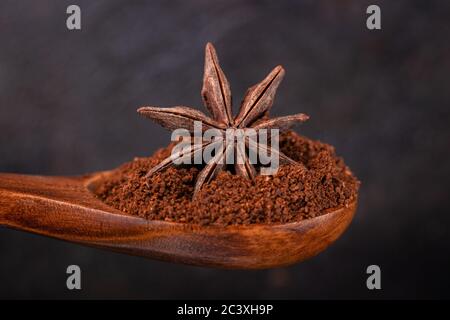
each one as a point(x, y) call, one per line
point(63, 208)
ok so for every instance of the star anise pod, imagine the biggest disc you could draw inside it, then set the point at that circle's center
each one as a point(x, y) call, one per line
point(216, 96)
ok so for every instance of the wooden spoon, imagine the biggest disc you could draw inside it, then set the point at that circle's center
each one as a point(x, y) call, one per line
point(66, 209)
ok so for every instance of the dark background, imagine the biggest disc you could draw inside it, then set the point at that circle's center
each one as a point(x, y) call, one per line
point(68, 101)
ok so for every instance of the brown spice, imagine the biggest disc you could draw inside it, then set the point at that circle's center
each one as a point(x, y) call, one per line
point(293, 194)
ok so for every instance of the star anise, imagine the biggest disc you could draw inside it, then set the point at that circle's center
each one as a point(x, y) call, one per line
point(216, 96)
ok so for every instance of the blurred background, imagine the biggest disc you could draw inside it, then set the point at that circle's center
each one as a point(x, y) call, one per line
point(68, 103)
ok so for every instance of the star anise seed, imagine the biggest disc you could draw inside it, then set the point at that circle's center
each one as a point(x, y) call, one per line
point(216, 95)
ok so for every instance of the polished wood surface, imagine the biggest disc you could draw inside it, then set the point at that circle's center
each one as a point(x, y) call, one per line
point(65, 208)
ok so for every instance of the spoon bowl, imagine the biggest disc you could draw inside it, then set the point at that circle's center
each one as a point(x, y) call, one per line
point(65, 208)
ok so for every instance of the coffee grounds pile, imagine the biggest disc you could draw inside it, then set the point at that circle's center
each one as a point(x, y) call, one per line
point(293, 194)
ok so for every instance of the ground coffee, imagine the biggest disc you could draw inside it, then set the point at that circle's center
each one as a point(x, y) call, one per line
point(293, 194)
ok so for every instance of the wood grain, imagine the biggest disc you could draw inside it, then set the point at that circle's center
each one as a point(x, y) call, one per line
point(64, 208)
